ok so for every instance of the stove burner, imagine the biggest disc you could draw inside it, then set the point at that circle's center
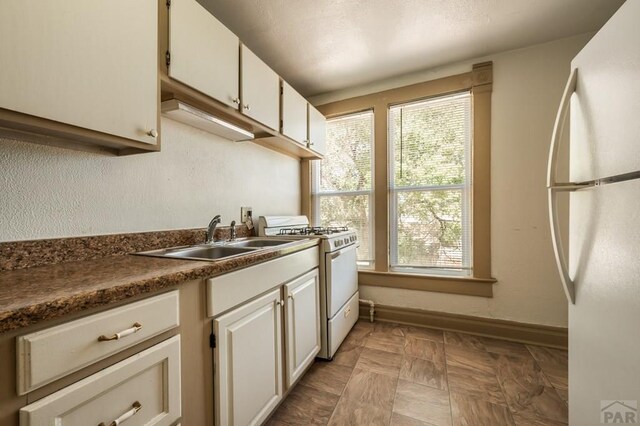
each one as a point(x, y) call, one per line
point(313, 230)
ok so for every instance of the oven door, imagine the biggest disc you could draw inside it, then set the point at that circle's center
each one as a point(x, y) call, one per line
point(341, 272)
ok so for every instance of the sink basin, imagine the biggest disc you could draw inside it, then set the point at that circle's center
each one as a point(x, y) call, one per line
point(208, 253)
point(199, 252)
point(259, 243)
point(217, 252)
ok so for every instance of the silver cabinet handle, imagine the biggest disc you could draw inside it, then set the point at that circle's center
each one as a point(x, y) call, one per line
point(117, 336)
point(291, 296)
point(280, 302)
point(553, 187)
point(236, 101)
point(135, 407)
point(336, 255)
point(246, 107)
point(153, 133)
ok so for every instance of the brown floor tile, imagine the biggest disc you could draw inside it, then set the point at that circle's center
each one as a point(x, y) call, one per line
point(554, 364)
point(468, 341)
point(327, 376)
point(425, 333)
point(475, 383)
point(505, 347)
point(527, 390)
point(371, 388)
point(359, 333)
point(305, 406)
point(350, 413)
point(542, 402)
point(385, 342)
point(422, 403)
point(367, 400)
point(424, 372)
point(459, 356)
point(533, 421)
point(380, 362)
point(389, 328)
point(467, 411)
point(400, 420)
point(425, 349)
point(347, 354)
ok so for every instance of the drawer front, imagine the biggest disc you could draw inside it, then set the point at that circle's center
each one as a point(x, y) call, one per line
point(342, 323)
point(47, 355)
point(229, 290)
point(141, 390)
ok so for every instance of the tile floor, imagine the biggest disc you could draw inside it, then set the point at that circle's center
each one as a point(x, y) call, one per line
point(390, 374)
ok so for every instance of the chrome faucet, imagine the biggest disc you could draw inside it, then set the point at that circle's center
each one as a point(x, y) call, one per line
point(233, 231)
point(211, 228)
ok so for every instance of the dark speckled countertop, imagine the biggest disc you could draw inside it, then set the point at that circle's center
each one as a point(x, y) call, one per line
point(31, 295)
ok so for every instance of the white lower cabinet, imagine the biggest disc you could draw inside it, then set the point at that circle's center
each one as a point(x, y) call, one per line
point(302, 324)
point(248, 361)
point(141, 390)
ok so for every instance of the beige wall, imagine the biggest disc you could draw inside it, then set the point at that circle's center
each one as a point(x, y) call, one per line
point(51, 192)
point(527, 86)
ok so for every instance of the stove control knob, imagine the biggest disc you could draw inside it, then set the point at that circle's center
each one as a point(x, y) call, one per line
point(346, 241)
point(338, 243)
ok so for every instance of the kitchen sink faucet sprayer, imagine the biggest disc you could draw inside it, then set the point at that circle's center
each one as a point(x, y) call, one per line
point(211, 228)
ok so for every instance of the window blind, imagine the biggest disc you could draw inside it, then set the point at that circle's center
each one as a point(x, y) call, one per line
point(342, 187)
point(430, 185)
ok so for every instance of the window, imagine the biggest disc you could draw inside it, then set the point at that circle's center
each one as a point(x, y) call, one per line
point(430, 186)
point(343, 181)
point(429, 208)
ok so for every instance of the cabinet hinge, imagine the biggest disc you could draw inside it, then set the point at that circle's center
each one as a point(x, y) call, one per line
point(281, 125)
point(167, 56)
point(168, 4)
point(281, 90)
point(212, 340)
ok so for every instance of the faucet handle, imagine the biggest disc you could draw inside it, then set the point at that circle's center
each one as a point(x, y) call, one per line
point(233, 223)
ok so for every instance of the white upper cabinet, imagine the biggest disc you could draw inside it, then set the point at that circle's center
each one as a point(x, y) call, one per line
point(90, 64)
point(205, 55)
point(294, 114)
point(317, 131)
point(260, 87)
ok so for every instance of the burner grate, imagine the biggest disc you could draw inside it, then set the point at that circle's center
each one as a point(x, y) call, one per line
point(313, 230)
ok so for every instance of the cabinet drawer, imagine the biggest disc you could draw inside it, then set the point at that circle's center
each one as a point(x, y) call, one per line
point(229, 290)
point(47, 355)
point(143, 389)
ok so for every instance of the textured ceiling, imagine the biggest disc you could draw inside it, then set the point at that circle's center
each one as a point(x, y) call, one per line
point(321, 46)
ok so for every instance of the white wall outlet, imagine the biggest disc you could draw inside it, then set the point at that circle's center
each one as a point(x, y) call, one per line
point(246, 214)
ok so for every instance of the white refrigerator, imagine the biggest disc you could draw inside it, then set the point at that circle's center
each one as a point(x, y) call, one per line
point(600, 269)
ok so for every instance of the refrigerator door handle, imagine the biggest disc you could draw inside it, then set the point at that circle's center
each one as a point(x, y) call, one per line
point(553, 187)
point(558, 250)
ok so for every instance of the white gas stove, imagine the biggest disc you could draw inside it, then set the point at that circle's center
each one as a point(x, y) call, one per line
point(338, 273)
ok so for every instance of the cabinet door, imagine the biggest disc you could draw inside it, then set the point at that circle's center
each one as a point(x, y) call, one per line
point(294, 114)
point(205, 55)
point(248, 361)
point(317, 130)
point(260, 88)
point(65, 61)
point(302, 324)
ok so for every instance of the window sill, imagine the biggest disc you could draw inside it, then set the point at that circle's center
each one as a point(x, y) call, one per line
point(470, 286)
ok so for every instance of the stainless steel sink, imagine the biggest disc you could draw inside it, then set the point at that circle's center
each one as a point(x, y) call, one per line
point(200, 252)
point(258, 243)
